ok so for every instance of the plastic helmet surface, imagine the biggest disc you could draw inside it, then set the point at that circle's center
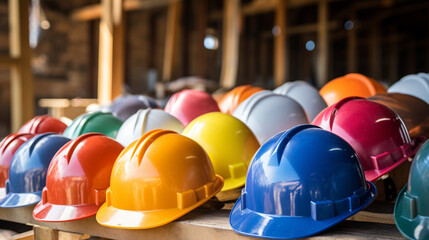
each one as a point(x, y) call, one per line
point(124, 106)
point(292, 192)
point(157, 179)
point(229, 143)
point(306, 95)
point(187, 105)
point(350, 85)
point(28, 169)
point(267, 114)
point(237, 95)
point(411, 207)
point(77, 179)
point(43, 124)
point(414, 85)
point(144, 121)
point(99, 122)
point(412, 110)
point(376, 132)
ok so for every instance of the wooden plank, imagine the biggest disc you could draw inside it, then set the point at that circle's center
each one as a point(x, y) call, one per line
point(280, 65)
point(231, 35)
point(322, 44)
point(111, 52)
point(45, 233)
point(28, 235)
point(22, 86)
point(171, 36)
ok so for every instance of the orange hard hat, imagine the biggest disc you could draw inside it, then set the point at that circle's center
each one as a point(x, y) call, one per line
point(350, 85)
point(233, 98)
point(43, 124)
point(157, 179)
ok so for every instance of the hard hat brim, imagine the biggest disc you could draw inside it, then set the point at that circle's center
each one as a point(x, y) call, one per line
point(233, 183)
point(255, 224)
point(406, 226)
point(12, 200)
point(111, 216)
point(63, 213)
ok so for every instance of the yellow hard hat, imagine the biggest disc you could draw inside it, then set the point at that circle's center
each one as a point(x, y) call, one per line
point(229, 143)
point(157, 179)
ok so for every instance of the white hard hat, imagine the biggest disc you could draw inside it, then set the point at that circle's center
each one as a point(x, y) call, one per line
point(414, 85)
point(305, 94)
point(145, 120)
point(267, 113)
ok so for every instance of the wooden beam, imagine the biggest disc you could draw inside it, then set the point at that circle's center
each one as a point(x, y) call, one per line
point(263, 6)
point(280, 66)
point(351, 47)
point(22, 86)
point(93, 12)
point(7, 61)
point(171, 36)
point(111, 52)
point(374, 51)
point(231, 36)
point(322, 44)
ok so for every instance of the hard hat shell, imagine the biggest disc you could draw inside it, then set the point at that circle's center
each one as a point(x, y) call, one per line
point(233, 98)
point(413, 111)
point(144, 121)
point(43, 124)
point(353, 84)
point(187, 105)
point(306, 95)
point(78, 177)
point(411, 207)
point(8, 146)
point(157, 179)
point(292, 192)
point(414, 85)
point(229, 143)
point(376, 132)
point(28, 169)
point(99, 122)
point(124, 106)
point(267, 114)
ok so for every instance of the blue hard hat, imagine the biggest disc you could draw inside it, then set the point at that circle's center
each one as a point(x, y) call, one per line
point(28, 170)
point(299, 183)
point(124, 106)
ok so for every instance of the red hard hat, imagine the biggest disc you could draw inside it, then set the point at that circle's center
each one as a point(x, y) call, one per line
point(43, 124)
point(8, 147)
point(77, 179)
point(187, 105)
point(377, 134)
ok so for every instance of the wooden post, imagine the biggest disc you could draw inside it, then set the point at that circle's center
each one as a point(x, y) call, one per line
point(374, 50)
point(22, 86)
point(280, 66)
point(322, 44)
point(351, 47)
point(171, 36)
point(111, 52)
point(230, 43)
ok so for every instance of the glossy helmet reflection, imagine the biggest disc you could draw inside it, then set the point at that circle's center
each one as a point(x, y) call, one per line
point(305, 94)
point(411, 207)
point(290, 191)
point(78, 177)
point(229, 143)
point(28, 169)
point(414, 85)
point(267, 114)
point(43, 124)
point(124, 106)
point(350, 85)
point(376, 132)
point(144, 121)
point(187, 105)
point(98, 122)
point(233, 98)
point(157, 179)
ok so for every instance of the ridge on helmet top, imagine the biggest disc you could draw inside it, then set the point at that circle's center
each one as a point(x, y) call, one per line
point(100, 122)
point(157, 179)
point(43, 124)
point(413, 84)
point(298, 199)
point(230, 101)
point(124, 106)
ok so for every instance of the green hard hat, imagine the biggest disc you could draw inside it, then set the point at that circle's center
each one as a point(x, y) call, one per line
point(412, 205)
point(99, 122)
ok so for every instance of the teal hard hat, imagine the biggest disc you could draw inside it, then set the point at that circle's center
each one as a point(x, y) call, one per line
point(411, 207)
point(99, 122)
